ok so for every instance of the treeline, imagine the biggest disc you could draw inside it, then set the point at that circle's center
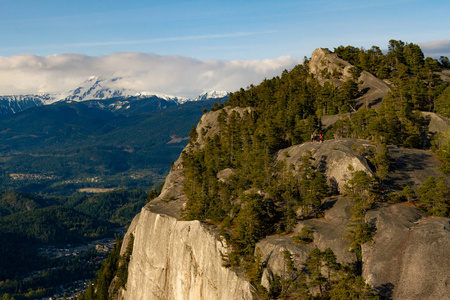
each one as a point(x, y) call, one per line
point(260, 196)
point(416, 87)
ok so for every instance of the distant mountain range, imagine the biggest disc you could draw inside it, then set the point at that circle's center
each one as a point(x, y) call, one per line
point(97, 135)
point(96, 89)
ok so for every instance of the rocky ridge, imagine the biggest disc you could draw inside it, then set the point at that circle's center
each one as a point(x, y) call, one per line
point(327, 66)
point(407, 259)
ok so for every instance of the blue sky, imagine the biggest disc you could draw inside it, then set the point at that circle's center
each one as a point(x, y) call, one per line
point(218, 30)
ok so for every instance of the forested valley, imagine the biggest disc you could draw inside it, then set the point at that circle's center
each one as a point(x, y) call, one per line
point(51, 243)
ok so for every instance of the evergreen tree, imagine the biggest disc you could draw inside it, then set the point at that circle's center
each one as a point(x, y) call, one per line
point(434, 197)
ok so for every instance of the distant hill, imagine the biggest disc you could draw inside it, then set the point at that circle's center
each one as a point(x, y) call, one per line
point(70, 145)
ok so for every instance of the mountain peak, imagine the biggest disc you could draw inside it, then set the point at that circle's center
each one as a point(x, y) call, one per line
point(211, 95)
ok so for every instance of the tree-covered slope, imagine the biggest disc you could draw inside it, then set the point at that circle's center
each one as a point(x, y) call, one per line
point(261, 196)
point(259, 170)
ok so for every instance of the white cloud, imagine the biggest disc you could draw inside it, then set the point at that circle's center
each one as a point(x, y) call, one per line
point(177, 75)
point(436, 48)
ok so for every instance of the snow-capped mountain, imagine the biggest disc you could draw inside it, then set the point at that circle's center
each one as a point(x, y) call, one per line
point(211, 95)
point(94, 88)
point(17, 103)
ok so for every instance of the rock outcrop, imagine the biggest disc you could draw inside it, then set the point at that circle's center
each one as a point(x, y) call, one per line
point(330, 157)
point(175, 259)
point(407, 259)
point(410, 254)
point(328, 232)
point(328, 66)
point(438, 123)
point(411, 167)
point(410, 251)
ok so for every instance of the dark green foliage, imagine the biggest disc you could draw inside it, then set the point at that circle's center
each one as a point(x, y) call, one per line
point(306, 236)
point(22, 255)
point(54, 224)
point(434, 197)
point(313, 186)
point(404, 64)
point(352, 288)
point(122, 271)
point(443, 153)
point(360, 188)
point(444, 62)
point(99, 290)
point(392, 123)
point(58, 272)
point(286, 110)
point(408, 193)
point(31, 222)
point(442, 103)
point(13, 202)
point(254, 271)
point(117, 207)
point(251, 224)
point(322, 278)
point(115, 266)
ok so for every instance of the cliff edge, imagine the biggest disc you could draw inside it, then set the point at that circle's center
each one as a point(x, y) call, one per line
point(175, 259)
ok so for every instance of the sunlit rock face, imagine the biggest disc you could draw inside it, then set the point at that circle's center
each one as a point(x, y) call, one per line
point(410, 254)
point(175, 259)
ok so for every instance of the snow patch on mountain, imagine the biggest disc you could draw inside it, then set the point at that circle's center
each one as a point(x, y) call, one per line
point(147, 94)
point(96, 88)
point(211, 95)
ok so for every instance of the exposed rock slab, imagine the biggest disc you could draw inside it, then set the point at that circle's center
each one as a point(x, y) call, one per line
point(438, 123)
point(271, 249)
point(172, 199)
point(330, 231)
point(324, 63)
point(408, 258)
point(410, 254)
point(411, 167)
point(209, 124)
point(331, 157)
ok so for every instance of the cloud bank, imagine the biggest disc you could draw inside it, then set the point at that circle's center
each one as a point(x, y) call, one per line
point(436, 48)
point(176, 75)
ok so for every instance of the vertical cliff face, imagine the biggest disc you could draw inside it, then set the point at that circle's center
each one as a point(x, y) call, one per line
point(175, 259)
